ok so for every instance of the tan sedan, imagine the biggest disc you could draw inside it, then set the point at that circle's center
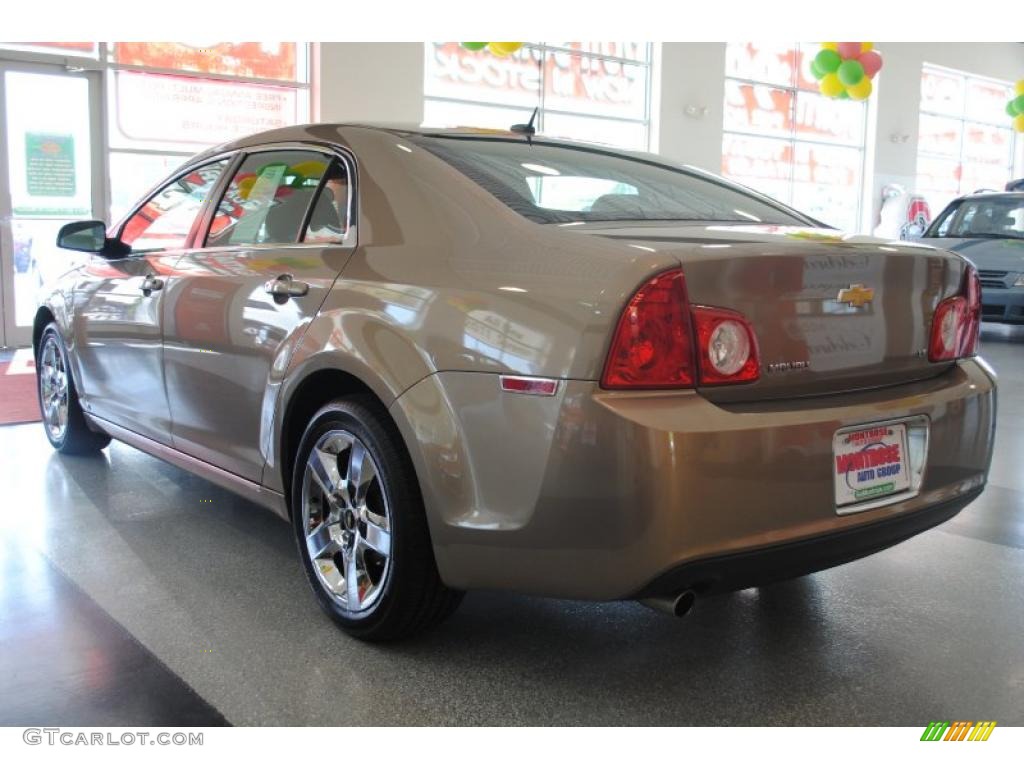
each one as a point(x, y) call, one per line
point(459, 360)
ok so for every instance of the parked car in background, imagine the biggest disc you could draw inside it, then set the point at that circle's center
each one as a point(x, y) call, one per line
point(491, 360)
point(988, 229)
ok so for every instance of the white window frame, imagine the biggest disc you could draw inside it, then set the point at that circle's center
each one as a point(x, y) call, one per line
point(963, 119)
point(104, 63)
point(794, 139)
point(544, 49)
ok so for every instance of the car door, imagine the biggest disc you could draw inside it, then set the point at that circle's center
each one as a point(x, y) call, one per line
point(276, 241)
point(118, 303)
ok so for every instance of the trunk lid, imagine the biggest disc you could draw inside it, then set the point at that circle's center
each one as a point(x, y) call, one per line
point(833, 313)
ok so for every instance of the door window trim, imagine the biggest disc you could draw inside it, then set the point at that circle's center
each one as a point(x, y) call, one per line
point(332, 151)
point(181, 172)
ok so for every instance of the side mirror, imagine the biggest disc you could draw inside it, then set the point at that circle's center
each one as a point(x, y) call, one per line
point(89, 236)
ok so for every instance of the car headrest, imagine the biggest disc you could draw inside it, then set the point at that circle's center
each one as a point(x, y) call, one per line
point(618, 204)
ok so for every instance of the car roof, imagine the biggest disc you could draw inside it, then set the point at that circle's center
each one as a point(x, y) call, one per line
point(317, 132)
point(991, 195)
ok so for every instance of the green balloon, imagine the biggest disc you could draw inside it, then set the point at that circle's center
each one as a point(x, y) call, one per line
point(843, 95)
point(1011, 108)
point(474, 46)
point(1019, 104)
point(816, 70)
point(850, 72)
point(828, 61)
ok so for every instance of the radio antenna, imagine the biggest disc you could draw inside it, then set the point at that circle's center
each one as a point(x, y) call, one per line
point(527, 129)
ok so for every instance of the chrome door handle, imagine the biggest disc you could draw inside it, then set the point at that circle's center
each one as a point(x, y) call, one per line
point(151, 283)
point(285, 287)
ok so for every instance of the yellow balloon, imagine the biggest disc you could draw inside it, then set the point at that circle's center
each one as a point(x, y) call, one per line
point(245, 187)
point(865, 47)
point(831, 86)
point(311, 169)
point(861, 90)
point(830, 46)
point(504, 49)
point(1018, 88)
point(1018, 123)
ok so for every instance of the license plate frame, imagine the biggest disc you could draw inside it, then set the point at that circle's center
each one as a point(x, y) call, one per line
point(871, 465)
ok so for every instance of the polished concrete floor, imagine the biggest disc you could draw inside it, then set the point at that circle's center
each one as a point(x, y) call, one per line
point(203, 597)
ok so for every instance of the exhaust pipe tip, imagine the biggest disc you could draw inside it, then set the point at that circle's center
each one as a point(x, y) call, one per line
point(674, 605)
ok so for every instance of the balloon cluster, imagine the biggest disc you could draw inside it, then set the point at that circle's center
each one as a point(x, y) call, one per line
point(1015, 106)
point(498, 49)
point(845, 70)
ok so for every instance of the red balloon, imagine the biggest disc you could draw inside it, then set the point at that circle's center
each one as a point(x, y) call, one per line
point(849, 50)
point(872, 62)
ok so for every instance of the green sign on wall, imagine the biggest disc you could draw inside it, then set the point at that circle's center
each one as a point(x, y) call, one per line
point(50, 165)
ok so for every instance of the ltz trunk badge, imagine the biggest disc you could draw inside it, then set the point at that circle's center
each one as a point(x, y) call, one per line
point(857, 295)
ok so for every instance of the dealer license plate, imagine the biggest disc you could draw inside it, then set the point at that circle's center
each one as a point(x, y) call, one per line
point(870, 463)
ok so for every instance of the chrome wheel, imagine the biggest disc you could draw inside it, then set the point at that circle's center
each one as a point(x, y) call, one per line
point(53, 389)
point(346, 521)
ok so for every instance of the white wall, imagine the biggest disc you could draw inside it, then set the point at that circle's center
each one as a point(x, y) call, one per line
point(384, 82)
point(372, 82)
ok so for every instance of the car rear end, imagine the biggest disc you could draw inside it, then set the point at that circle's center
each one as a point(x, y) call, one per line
point(834, 404)
point(770, 400)
point(848, 429)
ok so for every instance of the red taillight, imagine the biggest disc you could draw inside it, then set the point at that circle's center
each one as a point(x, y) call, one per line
point(660, 343)
point(957, 322)
point(653, 344)
point(727, 347)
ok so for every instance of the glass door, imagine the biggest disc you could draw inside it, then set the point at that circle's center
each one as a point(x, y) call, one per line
point(50, 173)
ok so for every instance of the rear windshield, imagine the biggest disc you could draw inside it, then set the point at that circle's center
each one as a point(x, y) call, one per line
point(992, 217)
point(556, 183)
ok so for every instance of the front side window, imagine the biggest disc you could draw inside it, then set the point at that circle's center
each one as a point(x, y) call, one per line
point(166, 219)
point(994, 217)
point(552, 183)
point(268, 198)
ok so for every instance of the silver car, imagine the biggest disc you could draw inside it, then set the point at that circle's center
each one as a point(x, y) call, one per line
point(988, 229)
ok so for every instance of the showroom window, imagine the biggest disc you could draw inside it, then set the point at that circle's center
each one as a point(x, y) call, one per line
point(783, 138)
point(164, 102)
point(965, 138)
point(597, 92)
point(167, 101)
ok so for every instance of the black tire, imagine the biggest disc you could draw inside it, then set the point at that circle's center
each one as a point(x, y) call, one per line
point(412, 597)
point(77, 438)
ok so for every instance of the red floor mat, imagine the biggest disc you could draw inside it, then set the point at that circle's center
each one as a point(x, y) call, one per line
point(18, 400)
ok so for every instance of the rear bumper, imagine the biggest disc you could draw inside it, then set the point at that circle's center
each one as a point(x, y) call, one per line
point(1002, 305)
point(789, 560)
point(600, 495)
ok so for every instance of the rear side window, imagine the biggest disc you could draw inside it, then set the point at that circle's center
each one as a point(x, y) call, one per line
point(328, 221)
point(268, 199)
point(557, 183)
point(165, 220)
